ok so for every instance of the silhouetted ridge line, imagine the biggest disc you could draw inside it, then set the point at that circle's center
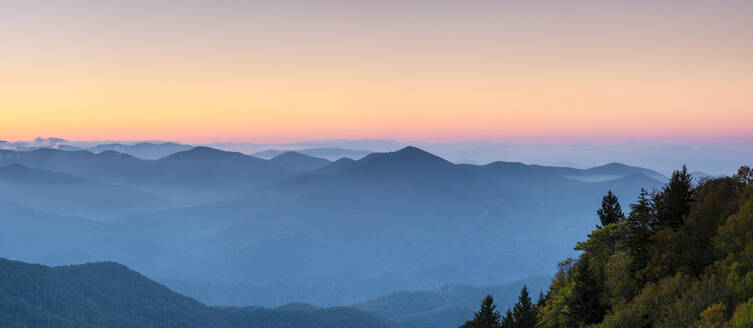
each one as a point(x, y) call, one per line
point(408, 156)
point(296, 161)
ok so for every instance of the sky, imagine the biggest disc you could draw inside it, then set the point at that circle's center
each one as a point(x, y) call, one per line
point(281, 71)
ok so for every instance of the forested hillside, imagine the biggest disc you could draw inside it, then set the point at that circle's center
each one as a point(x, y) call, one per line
point(108, 294)
point(681, 257)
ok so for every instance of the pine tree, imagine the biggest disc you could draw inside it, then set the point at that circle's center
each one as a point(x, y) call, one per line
point(507, 321)
point(642, 212)
point(639, 230)
point(673, 203)
point(584, 306)
point(541, 301)
point(486, 317)
point(610, 211)
point(524, 311)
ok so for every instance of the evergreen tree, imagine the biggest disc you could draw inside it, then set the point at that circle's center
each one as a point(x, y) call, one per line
point(642, 212)
point(541, 301)
point(584, 306)
point(639, 230)
point(524, 311)
point(610, 211)
point(507, 321)
point(486, 317)
point(673, 203)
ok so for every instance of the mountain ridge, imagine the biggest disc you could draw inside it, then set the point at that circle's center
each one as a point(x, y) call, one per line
point(413, 220)
point(110, 294)
point(295, 161)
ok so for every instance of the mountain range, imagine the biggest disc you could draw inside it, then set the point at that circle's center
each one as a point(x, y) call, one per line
point(716, 160)
point(200, 174)
point(110, 294)
point(232, 229)
point(331, 154)
point(72, 196)
point(144, 150)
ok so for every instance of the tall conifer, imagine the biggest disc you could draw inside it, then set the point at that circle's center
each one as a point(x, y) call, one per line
point(610, 211)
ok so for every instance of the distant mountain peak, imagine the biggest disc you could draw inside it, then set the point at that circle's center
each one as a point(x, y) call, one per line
point(409, 154)
point(296, 161)
point(613, 165)
point(624, 170)
point(412, 149)
point(410, 159)
point(205, 149)
point(291, 154)
point(345, 160)
point(207, 155)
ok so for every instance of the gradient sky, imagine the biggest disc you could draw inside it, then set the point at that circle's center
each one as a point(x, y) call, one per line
point(272, 71)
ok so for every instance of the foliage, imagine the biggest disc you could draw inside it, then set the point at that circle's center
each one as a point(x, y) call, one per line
point(712, 317)
point(584, 305)
point(683, 257)
point(486, 317)
point(523, 312)
point(639, 230)
point(673, 203)
point(554, 313)
point(744, 175)
point(610, 211)
point(743, 317)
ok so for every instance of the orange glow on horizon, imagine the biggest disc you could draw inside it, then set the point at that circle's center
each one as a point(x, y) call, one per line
point(446, 74)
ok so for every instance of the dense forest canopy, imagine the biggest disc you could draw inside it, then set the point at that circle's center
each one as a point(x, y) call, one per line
point(682, 257)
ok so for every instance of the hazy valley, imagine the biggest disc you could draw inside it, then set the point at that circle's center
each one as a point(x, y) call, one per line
point(233, 229)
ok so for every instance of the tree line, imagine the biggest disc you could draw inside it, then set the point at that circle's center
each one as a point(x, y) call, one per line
point(681, 257)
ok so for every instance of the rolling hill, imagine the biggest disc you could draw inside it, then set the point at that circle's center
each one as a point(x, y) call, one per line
point(108, 294)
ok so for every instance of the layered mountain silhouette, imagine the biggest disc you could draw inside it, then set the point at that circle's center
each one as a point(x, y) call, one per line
point(144, 150)
point(198, 175)
point(410, 220)
point(211, 173)
point(298, 228)
point(71, 196)
point(331, 154)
